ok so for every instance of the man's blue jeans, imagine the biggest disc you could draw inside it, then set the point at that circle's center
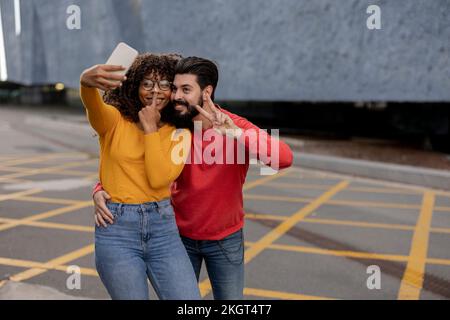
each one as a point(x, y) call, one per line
point(143, 242)
point(224, 261)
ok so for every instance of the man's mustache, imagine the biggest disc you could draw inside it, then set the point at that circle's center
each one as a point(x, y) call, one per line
point(182, 102)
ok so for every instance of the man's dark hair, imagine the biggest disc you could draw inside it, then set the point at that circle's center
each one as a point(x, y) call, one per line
point(205, 70)
point(126, 98)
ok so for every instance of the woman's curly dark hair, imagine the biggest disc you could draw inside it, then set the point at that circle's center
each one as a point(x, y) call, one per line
point(126, 98)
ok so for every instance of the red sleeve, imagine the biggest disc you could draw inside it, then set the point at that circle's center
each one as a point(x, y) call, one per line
point(98, 187)
point(261, 147)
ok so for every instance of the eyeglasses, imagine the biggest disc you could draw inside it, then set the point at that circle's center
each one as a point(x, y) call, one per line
point(162, 84)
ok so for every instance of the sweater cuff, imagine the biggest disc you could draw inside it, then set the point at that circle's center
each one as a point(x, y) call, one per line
point(98, 187)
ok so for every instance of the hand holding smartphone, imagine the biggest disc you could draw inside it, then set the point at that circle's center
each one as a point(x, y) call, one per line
point(123, 55)
point(110, 75)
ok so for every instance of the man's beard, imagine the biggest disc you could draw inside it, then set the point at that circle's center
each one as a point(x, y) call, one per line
point(182, 119)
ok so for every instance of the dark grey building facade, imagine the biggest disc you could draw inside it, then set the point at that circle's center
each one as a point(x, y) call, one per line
point(279, 50)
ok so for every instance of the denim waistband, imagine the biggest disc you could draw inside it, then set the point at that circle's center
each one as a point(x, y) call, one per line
point(142, 206)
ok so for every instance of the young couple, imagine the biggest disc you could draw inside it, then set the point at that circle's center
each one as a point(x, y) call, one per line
point(157, 217)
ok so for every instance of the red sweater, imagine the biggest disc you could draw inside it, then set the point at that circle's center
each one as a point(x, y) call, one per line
point(207, 198)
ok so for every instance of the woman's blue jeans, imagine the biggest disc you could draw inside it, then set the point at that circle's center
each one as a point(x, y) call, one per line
point(144, 243)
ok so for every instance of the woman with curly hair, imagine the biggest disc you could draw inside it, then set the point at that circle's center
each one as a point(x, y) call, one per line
point(141, 154)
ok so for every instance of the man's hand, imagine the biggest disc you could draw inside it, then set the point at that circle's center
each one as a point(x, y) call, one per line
point(149, 117)
point(221, 122)
point(103, 77)
point(102, 212)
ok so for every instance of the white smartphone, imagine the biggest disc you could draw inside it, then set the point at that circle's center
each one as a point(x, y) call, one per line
point(123, 55)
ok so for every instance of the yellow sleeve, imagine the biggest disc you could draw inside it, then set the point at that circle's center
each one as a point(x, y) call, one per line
point(163, 168)
point(101, 116)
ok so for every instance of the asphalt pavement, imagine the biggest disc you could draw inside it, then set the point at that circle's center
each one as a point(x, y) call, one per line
point(309, 233)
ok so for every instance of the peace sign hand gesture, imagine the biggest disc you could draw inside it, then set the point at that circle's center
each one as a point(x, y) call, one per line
point(221, 122)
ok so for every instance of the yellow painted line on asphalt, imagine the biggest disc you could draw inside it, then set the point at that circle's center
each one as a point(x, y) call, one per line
point(61, 172)
point(15, 195)
point(93, 176)
point(345, 223)
point(442, 209)
point(42, 265)
point(334, 202)
point(442, 262)
point(47, 214)
point(281, 295)
point(440, 230)
point(412, 280)
point(78, 173)
point(337, 253)
point(48, 200)
point(39, 158)
point(52, 264)
point(53, 169)
point(14, 169)
point(360, 224)
point(353, 189)
point(265, 217)
point(12, 180)
point(252, 184)
point(282, 228)
point(335, 222)
point(350, 254)
point(50, 225)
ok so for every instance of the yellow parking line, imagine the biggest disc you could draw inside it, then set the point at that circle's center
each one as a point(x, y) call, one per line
point(12, 180)
point(15, 195)
point(281, 295)
point(45, 215)
point(258, 182)
point(412, 281)
point(46, 170)
point(265, 217)
point(345, 223)
point(349, 203)
point(442, 262)
point(50, 225)
point(350, 254)
point(52, 264)
point(40, 158)
point(360, 224)
point(47, 200)
point(42, 265)
point(77, 173)
point(335, 222)
point(14, 169)
point(440, 230)
point(443, 209)
point(338, 253)
point(93, 176)
point(353, 189)
point(61, 172)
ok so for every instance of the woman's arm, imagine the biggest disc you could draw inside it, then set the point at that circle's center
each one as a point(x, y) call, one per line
point(102, 117)
point(163, 168)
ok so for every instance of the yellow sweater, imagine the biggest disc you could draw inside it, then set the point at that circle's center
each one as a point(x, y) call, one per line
point(134, 167)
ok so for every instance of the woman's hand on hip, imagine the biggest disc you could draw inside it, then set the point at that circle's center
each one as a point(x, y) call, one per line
point(102, 213)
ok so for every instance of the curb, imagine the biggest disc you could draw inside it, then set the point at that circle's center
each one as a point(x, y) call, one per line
point(437, 179)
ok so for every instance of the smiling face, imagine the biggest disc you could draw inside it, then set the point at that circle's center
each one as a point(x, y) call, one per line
point(186, 93)
point(151, 84)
